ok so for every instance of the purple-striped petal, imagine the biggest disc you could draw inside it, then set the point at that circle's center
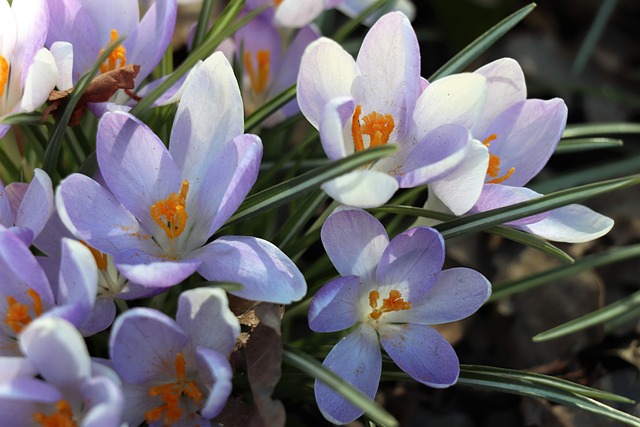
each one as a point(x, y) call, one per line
point(496, 196)
point(336, 306)
point(37, 204)
point(152, 271)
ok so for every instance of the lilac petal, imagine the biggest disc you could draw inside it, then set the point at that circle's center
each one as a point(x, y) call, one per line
point(101, 317)
point(358, 360)
point(366, 188)
point(326, 71)
point(411, 262)
point(25, 234)
point(137, 403)
point(219, 372)
point(422, 353)
point(263, 270)
point(200, 308)
point(527, 134)
point(8, 345)
point(16, 192)
point(144, 344)
point(460, 189)
point(104, 402)
point(95, 216)
point(297, 13)
point(15, 367)
point(496, 196)
point(63, 54)
point(389, 61)
point(57, 350)
point(336, 306)
point(354, 241)
point(259, 35)
point(9, 31)
point(152, 271)
point(19, 390)
point(40, 81)
point(32, 21)
point(505, 87)
point(200, 129)
point(37, 204)
point(170, 96)
point(570, 224)
point(122, 15)
point(136, 165)
point(337, 113)
point(6, 216)
point(457, 294)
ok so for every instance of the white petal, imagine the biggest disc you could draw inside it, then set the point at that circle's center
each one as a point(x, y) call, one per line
point(362, 188)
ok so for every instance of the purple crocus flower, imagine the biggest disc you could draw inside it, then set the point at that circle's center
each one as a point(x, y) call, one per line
point(380, 99)
point(391, 291)
point(176, 372)
point(56, 383)
point(163, 205)
point(27, 70)
point(26, 293)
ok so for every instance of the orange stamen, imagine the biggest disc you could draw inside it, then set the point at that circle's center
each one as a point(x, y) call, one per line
point(376, 126)
point(260, 78)
point(100, 257)
point(171, 393)
point(494, 163)
point(62, 418)
point(4, 74)
point(171, 213)
point(117, 58)
point(277, 2)
point(395, 302)
point(18, 316)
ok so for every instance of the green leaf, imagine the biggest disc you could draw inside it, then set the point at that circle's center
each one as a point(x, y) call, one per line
point(551, 201)
point(506, 232)
point(595, 31)
point(503, 289)
point(227, 286)
point(269, 108)
point(295, 187)
point(482, 43)
point(314, 369)
point(584, 144)
point(351, 25)
point(592, 129)
point(605, 314)
point(203, 22)
point(33, 118)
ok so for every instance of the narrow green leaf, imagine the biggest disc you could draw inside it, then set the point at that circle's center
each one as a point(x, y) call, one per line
point(593, 129)
point(506, 232)
point(351, 25)
point(554, 200)
point(585, 144)
point(227, 286)
point(203, 23)
point(33, 118)
point(314, 369)
point(295, 187)
point(482, 43)
point(602, 315)
point(503, 289)
point(269, 108)
point(595, 31)
point(298, 219)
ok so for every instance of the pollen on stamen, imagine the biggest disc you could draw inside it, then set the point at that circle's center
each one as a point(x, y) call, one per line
point(394, 302)
point(100, 257)
point(258, 78)
point(375, 125)
point(171, 213)
point(493, 169)
point(62, 418)
point(117, 58)
point(17, 316)
point(4, 74)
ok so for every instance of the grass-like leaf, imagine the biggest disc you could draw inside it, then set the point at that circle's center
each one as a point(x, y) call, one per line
point(605, 314)
point(296, 187)
point(270, 107)
point(482, 43)
point(593, 129)
point(585, 144)
point(32, 118)
point(314, 369)
point(503, 289)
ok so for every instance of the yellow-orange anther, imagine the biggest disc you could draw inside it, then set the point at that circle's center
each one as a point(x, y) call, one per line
point(100, 257)
point(4, 74)
point(117, 58)
point(395, 302)
point(171, 213)
point(171, 393)
point(277, 2)
point(62, 418)
point(494, 163)
point(375, 125)
point(259, 78)
point(18, 316)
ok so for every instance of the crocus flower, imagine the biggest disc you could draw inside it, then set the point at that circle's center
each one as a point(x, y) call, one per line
point(27, 70)
point(294, 13)
point(55, 383)
point(380, 99)
point(176, 372)
point(163, 205)
point(26, 293)
point(390, 292)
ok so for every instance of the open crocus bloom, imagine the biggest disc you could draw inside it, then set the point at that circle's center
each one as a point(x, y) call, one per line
point(380, 99)
point(27, 70)
point(391, 291)
point(163, 205)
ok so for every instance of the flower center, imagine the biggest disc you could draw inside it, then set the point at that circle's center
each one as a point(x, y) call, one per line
point(395, 302)
point(494, 163)
point(259, 75)
point(117, 58)
point(18, 316)
point(171, 394)
point(4, 74)
point(375, 125)
point(62, 418)
point(171, 213)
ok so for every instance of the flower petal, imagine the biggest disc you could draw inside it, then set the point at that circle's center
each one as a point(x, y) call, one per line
point(219, 371)
point(297, 13)
point(152, 271)
point(362, 188)
point(496, 196)
point(63, 54)
point(37, 204)
point(358, 360)
point(336, 305)
point(263, 270)
point(336, 114)
point(40, 81)
point(422, 353)
point(104, 403)
point(354, 241)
